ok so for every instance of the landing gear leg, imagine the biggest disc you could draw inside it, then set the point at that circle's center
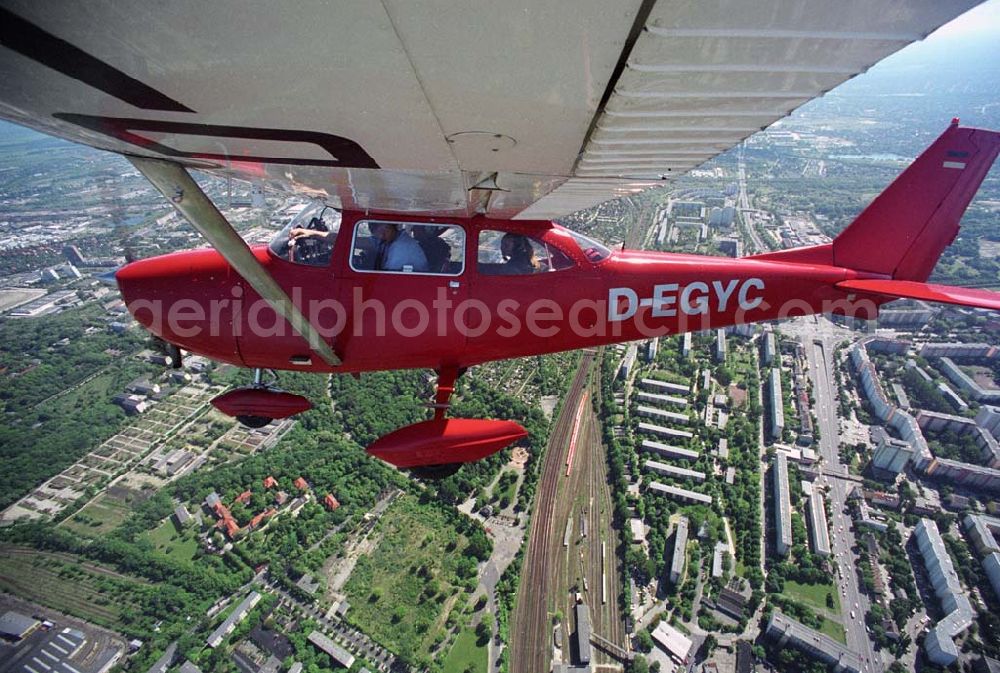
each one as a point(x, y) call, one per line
point(445, 388)
point(440, 405)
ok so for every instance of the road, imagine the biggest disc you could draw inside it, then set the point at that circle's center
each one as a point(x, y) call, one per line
point(530, 632)
point(743, 208)
point(842, 540)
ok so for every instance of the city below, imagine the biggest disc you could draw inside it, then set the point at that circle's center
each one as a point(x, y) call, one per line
point(818, 493)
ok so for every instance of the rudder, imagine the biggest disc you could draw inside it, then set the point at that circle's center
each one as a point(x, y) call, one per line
point(903, 232)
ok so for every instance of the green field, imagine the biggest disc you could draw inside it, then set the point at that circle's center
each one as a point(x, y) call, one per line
point(180, 545)
point(814, 596)
point(98, 518)
point(402, 593)
point(87, 590)
point(834, 630)
point(466, 655)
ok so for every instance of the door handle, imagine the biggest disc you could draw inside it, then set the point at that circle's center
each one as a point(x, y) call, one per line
point(454, 284)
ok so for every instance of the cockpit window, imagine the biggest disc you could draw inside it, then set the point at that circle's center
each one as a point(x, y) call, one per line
point(592, 250)
point(506, 253)
point(309, 237)
point(402, 247)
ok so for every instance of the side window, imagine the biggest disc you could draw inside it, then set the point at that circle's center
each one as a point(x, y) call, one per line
point(504, 253)
point(309, 237)
point(403, 247)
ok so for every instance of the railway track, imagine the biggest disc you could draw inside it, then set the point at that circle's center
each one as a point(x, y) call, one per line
point(531, 633)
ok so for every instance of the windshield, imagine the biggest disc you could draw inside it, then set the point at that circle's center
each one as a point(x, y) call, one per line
point(592, 250)
point(309, 237)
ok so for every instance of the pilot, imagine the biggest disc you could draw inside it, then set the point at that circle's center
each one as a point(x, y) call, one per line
point(519, 255)
point(396, 250)
point(314, 242)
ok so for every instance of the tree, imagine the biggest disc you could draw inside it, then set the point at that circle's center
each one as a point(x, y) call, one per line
point(644, 641)
point(639, 665)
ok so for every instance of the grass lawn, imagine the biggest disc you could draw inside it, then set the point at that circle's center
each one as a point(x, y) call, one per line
point(169, 541)
point(834, 630)
point(814, 596)
point(100, 517)
point(402, 593)
point(466, 655)
point(86, 590)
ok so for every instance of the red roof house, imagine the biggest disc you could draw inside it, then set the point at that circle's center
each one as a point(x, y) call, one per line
point(226, 521)
point(331, 502)
point(270, 482)
point(301, 484)
point(266, 514)
point(244, 497)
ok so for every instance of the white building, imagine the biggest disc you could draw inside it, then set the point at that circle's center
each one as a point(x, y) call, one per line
point(782, 506)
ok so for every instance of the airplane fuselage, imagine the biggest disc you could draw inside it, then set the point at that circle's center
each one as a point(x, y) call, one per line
point(399, 320)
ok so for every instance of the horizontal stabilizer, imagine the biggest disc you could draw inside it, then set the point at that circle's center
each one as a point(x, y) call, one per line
point(908, 289)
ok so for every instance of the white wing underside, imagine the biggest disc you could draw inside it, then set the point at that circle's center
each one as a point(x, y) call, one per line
point(402, 106)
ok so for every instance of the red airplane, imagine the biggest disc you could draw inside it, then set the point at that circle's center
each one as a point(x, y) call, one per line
point(432, 243)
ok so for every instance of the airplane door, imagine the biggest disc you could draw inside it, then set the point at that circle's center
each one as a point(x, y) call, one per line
point(402, 287)
point(530, 281)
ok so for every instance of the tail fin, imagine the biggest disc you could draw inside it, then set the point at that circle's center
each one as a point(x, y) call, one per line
point(903, 232)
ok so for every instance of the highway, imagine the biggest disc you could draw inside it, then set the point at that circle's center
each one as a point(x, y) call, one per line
point(820, 356)
point(743, 208)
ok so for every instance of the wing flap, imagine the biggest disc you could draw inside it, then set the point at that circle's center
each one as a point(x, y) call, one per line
point(907, 289)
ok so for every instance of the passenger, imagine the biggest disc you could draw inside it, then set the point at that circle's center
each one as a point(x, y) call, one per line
point(436, 249)
point(396, 250)
point(519, 255)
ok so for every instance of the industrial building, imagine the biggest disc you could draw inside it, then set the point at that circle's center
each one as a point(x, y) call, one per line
point(686, 345)
point(664, 432)
point(673, 471)
point(787, 631)
point(668, 451)
point(673, 642)
point(15, 626)
point(583, 633)
point(237, 616)
point(63, 650)
point(681, 494)
point(940, 642)
point(776, 404)
point(817, 524)
point(782, 505)
point(678, 558)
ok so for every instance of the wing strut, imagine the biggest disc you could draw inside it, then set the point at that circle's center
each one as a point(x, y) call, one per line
point(177, 185)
